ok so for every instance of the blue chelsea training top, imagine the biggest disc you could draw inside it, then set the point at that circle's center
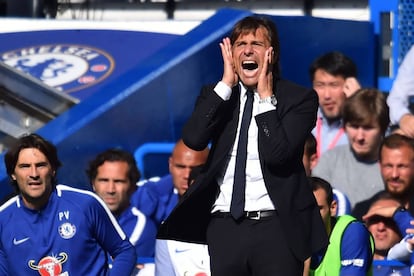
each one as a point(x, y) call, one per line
point(70, 236)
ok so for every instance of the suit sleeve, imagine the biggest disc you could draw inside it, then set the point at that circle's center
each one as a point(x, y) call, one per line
point(199, 129)
point(282, 132)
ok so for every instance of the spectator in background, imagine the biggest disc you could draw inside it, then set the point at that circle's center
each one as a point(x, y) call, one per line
point(333, 76)
point(400, 251)
point(384, 230)
point(157, 199)
point(354, 168)
point(113, 175)
point(55, 227)
point(310, 159)
point(399, 97)
point(350, 249)
point(387, 235)
point(397, 170)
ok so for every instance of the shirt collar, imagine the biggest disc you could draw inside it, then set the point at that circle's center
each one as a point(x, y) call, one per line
point(243, 91)
point(322, 117)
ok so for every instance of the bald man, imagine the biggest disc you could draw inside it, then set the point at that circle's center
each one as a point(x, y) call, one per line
point(157, 199)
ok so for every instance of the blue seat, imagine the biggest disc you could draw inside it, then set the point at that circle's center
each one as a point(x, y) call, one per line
point(148, 149)
point(344, 205)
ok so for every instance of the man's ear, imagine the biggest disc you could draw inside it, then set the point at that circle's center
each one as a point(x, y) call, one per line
point(170, 163)
point(334, 208)
point(13, 177)
point(313, 160)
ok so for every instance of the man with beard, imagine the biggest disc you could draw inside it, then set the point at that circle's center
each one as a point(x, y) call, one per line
point(333, 77)
point(397, 170)
point(354, 169)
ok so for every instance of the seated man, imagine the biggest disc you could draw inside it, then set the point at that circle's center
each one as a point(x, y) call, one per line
point(384, 230)
point(310, 159)
point(354, 169)
point(350, 249)
point(397, 171)
point(400, 251)
point(177, 258)
point(333, 77)
point(113, 175)
point(403, 220)
point(157, 199)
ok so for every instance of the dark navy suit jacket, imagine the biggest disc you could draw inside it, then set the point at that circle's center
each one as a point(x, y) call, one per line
point(281, 137)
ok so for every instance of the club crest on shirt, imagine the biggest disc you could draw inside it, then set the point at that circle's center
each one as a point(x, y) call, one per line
point(67, 68)
point(50, 265)
point(67, 230)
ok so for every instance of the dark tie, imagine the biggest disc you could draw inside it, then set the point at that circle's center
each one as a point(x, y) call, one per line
point(239, 185)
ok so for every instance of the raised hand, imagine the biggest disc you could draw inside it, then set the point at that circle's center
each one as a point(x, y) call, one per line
point(265, 81)
point(229, 74)
point(407, 125)
point(351, 85)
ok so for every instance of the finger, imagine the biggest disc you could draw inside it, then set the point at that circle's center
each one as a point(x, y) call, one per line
point(228, 45)
point(271, 55)
point(267, 61)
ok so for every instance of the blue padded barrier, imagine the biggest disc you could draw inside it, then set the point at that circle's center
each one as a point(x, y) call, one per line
point(148, 149)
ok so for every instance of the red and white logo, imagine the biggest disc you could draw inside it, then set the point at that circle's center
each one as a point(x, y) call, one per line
point(49, 266)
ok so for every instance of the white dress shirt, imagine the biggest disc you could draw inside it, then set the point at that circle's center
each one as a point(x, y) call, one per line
point(256, 195)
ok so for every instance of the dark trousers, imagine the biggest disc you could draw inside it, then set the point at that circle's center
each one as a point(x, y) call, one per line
point(250, 248)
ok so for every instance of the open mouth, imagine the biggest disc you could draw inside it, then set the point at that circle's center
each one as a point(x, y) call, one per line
point(250, 65)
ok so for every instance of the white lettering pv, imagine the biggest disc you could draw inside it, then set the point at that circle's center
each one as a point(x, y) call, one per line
point(64, 215)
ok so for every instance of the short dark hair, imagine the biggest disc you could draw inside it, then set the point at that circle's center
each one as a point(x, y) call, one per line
point(26, 142)
point(112, 155)
point(310, 145)
point(395, 141)
point(320, 183)
point(364, 105)
point(251, 24)
point(335, 63)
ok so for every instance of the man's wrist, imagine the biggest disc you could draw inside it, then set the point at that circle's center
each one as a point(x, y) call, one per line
point(272, 100)
point(399, 209)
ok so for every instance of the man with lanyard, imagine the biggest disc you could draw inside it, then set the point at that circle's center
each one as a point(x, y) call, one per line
point(333, 77)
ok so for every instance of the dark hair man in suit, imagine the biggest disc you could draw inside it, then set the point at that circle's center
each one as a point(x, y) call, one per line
point(251, 203)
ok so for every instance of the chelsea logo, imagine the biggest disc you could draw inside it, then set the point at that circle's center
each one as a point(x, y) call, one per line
point(67, 68)
point(67, 230)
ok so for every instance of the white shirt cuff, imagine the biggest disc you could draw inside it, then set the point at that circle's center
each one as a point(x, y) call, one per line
point(223, 91)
